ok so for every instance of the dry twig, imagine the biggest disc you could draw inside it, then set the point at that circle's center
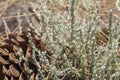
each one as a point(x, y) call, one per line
point(6, 6)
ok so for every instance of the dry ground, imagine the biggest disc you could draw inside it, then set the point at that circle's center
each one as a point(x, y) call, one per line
point(10, 8)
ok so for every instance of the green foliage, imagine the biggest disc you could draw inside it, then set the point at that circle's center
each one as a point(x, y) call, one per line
point(72, 41)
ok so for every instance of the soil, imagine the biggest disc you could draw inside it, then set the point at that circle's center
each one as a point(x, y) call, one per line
point(11, 13)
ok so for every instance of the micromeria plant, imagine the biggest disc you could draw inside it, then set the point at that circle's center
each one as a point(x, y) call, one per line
point(72, 41)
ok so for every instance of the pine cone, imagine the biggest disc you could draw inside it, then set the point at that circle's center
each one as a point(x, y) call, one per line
point(16, 56)
point(102, 37)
